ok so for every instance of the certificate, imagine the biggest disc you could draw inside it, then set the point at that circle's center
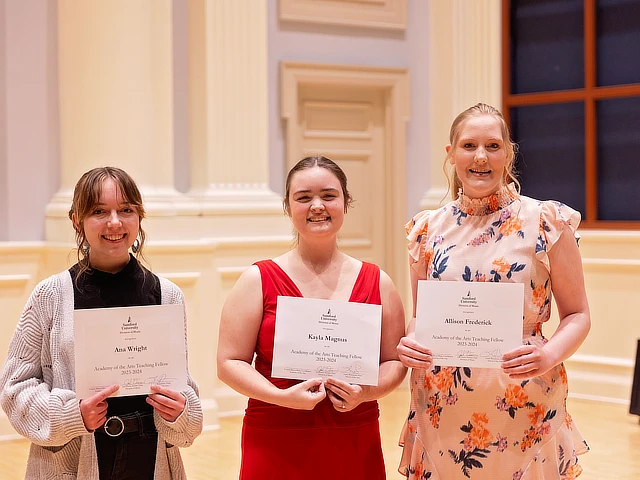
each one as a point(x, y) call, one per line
point(469, 324)
point(326, 338)
point(134, 347)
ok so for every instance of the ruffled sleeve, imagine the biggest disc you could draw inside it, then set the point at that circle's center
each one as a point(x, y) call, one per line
point(554, 218)
point(416, 231)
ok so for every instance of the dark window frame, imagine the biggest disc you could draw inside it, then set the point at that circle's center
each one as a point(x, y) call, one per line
point(589, 95)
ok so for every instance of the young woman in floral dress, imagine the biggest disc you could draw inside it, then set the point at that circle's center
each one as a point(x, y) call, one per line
point(508, 423)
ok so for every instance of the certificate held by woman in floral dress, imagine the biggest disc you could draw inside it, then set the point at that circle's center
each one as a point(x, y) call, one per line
point(469, 325)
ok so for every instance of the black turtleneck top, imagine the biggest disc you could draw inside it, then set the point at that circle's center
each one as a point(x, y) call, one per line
point(132, 286)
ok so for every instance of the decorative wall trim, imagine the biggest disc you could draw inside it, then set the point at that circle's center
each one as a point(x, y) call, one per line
point(355, 242)
point(182, 279)
point(5, 426)
point(610, 263)
point(598, 398)
point(589, 373)
point(14, 281)
point(434, 198)
point(231, 402)
point(384, 14)
point(212, 244)
point(230, 273)
point(210, 412)
point(22, 248)
point(601, 360)
point(609, 236)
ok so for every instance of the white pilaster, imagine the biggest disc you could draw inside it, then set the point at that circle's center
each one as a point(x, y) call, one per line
point(228, 118)
point(476, 53)
point(464, 69)
point(116, 100)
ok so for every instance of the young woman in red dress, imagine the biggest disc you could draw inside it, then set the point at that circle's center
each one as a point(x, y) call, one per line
point(318, 428)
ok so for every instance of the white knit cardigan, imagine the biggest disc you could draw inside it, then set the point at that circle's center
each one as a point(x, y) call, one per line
point(37, 392)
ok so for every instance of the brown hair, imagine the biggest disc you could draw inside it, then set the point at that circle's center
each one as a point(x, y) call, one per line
point(86, 196)
point(322, 162)
point(509, 174)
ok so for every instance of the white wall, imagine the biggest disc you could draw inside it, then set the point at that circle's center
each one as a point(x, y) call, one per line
point(3, 127)
point(29, 137)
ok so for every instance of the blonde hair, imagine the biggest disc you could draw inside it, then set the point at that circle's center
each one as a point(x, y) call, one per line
point(509, 174)
point(86, 196)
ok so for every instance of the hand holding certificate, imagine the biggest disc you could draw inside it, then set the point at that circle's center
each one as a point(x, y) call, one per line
point(326, 338)
point(134, 347)
point(469, 324)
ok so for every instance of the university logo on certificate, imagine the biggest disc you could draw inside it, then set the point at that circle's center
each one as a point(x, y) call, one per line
point(326, 338)
point(469, 324)
point(134, 347)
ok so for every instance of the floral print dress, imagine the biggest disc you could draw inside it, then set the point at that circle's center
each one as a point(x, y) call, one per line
point(476, 422)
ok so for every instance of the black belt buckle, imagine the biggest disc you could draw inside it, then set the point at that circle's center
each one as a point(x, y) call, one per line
point(114, 426)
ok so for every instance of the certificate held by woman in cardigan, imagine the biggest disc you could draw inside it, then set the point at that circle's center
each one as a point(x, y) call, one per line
point(134, 347)
point(469, 324)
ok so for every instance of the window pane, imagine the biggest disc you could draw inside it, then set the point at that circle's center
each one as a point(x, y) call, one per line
point(547, 45)
point(551, 160)
point(619, 159)
point(618, 47)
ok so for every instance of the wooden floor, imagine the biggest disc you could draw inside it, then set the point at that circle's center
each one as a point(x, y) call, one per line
point(613, 434)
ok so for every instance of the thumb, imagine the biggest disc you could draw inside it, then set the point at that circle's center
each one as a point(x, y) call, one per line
point(321, 389)
point(315, 386)
point(312, 383)
point(107, 392)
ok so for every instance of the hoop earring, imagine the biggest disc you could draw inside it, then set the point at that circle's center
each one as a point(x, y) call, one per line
point(136, 245)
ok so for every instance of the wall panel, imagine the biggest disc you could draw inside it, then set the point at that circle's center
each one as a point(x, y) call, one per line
point(385, 14)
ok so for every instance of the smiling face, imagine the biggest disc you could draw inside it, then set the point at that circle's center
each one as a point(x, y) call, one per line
point(479, 155)
point(316, 203)
point(110, 228)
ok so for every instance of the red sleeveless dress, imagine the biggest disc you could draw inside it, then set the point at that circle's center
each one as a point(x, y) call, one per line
point(287, 444)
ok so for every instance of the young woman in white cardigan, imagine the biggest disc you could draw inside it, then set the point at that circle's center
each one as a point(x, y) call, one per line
point(101, 437)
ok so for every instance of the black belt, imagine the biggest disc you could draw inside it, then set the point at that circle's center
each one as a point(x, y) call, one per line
point(131, 423)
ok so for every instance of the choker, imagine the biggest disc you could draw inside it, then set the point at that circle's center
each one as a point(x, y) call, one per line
point(487, 205)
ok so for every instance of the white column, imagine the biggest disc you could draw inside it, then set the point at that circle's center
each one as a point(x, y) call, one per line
point(116, 99)
point(476, 53)
point(464, 69)
point(228, 118)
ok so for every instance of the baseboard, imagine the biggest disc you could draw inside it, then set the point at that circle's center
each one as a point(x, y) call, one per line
point(230, 402)
point(7, 432)
point(600, 378)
